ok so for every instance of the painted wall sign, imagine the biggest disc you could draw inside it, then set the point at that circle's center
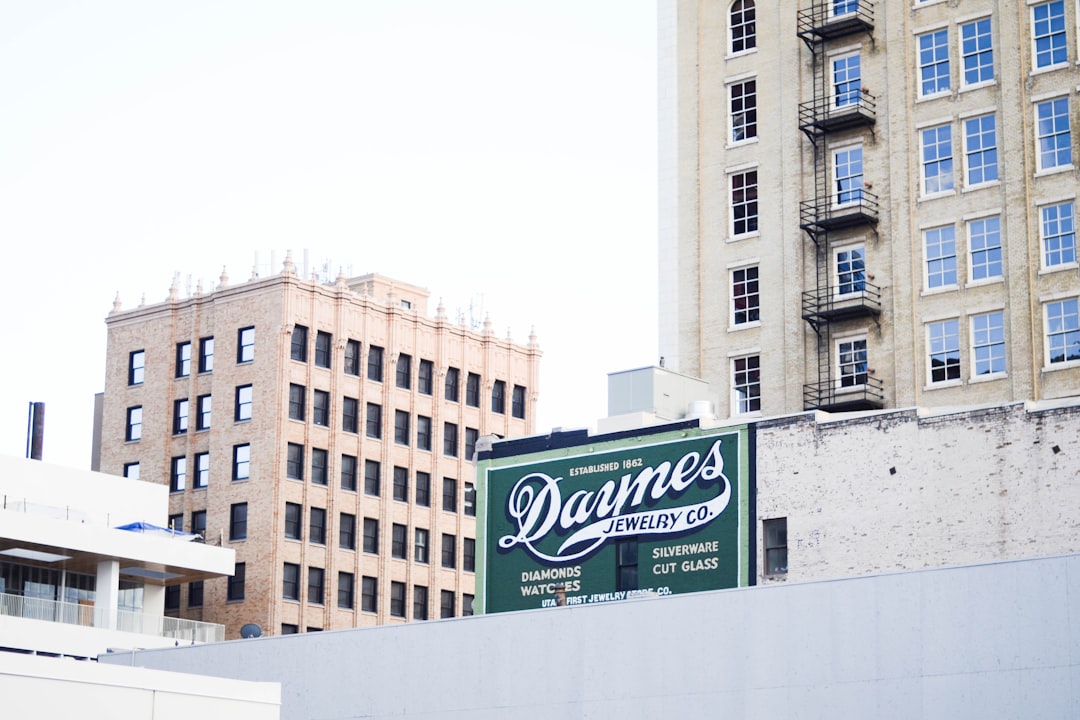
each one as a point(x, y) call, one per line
point(659, 517)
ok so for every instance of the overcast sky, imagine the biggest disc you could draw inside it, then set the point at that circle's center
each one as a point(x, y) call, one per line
point(500, 153)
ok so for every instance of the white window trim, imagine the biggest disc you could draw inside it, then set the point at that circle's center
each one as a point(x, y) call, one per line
point(1040, 171)
point(729, 83)
point(1045, 269)
point(927, 290)
point(855, 51)
point(835, 268)
point(923, 194)
point(731, 270)
point(927, 359)
point(917, 33)
point(960, 23)
point(837, 341)
point(970, 316)
point(1035, 69)
point(964, 150)
point(970, 281)
point(1047, 366)
point(833, 192)
point(728, 174)
point(734, 397)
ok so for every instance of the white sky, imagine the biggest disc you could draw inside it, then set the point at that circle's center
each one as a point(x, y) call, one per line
point(500, 153)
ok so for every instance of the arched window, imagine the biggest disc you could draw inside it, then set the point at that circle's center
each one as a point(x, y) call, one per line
point(743, 29)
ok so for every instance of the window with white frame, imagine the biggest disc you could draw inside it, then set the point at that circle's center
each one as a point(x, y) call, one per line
point(850, 270)
point(746, 384)
point(1053, 133)
point(136, 367)
point(977, 51)
point(1048, 34)
point(847, 79)
point(980, 149)
point(745, 301)
point(943, 348)
point(852, 362)
point(133, 426)
point(843, 7)
point(937, 160)
point(1058, 230)
point(988, 343)
point(940, 244)
point(743, 29)
point(1063, 331)
point(848, 175)
point(744, 202)
point(933, 62)
point(743, 104)
point(984, 244)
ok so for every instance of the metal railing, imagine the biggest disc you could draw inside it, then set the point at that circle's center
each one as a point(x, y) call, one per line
point(826, 19)
point(850, 108)
point(827, 303)
point(830, 396)
point(859, 207)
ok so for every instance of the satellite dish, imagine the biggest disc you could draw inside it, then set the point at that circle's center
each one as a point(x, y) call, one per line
point(251, 630)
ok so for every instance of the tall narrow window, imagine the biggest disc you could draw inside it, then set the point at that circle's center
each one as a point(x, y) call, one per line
point(937, 160)
point(452, 390)
point(298, 346)
point(847, 80)
point(1063, 331)
point(180, 416)
point(852, 359)
point(198, 523)
point(977, 51)
point(934, 62)
point(450, 439)
point(420, 545)
point(743, 29)
point(134, 424)
point(317, 526)
point(245, 345)
point(472, 436)
point(980, 149)
point(745, 301)
point(352, 357)
point(446, 604)
point(371, 535)
point(202, 470)
point(940, 256)
point(466, 604)
point(468, 555)
point(469, 502)
point(401, 427)
point(449, 495)
point(236, 582)
point(850, 270)
point(746, 384)
point(1053, 133)
point(775, 532)
point(373, 425)
point(398, 541)
point(984, 240)
point(743, 104)
point(183, 359)
point(403, 374)
point(204, 406)
point(517, 402)
point(425, 377)
point(178, 474)
point(319, 466)
point(293, 521)
point(1048, 30)
point(238, 521)
point(1058, 231)
point(423, 432)
point(498, 397)
point(136, 367)
point(348, 472)
point(241, 462)
point(744, 203)
point(243, 403)
point(323, 344)
point(297, 401)
point(320, 408)
point(206, 354)
point(397, 599)
point(345, 588)
point(943, 340)
point(372, 477)
point(294, 461)
point(848, 175)
point(401, 484)
point(472, 390)
point(420, 602)
point(449, 551)
point(988, 343)
point(347, 531)
point(290, 581)
point(375, 363)
point(369, 594)
point(423, 488)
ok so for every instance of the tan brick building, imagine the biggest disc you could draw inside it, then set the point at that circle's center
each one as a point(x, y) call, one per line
point(325, 433)
point(869, 204)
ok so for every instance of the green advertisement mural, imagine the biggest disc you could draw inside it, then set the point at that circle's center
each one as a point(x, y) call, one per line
point(659, 517)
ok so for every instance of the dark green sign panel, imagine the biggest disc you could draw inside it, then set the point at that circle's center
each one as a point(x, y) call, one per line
point(641, 519)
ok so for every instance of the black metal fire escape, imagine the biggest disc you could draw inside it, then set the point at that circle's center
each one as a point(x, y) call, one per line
point(836, 115)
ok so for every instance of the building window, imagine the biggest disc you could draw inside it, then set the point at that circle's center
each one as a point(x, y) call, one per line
point(202, 470)
point(183, 359)
point(202, 420)
point(746, 384)
point(980, 149)
point(843, 7)
point(466, 604)
point(245, 345)
point(345, 585)
point(449, 551)
point(937, 160)
point(944, 351)
point(241, 462)
point(371, 535)
point(988, 343)
point(297, 401)
point(180, 416)
point(469, 504)
point(243, 403)
point(238, 521)
point(744, 207)
point(498, 397)
point(136, 367)
point(425, 375)
point(323, 343)
point(134, 424)
point(398, 547)
point(195, 594)
point(743, 29)
point(374, 363)
point(472, 435)
point(1058, 235)
point(290, 581)
point(401, 484)
point(236, 582)
point(517, 402)
point(1053, 133)
point(420, 602)
point(847, 80)
point(977, 51)
point(420, 545)
point(206, 354)
point(472, 390)
point(372, 477)
point(1048, 28)
point(745, 301)
point(317, 526)
point(449, 494)
point(352, 358)
point(131, 470)
point(468, 554)
point(373, 427)
point(320, 408)
point(446, 604)
point(178, 474)
point(369, 594)
point(348, 472)
point(350, 415)
point(423, 488)
point(423, 432)
point(294, 463)
point(401, 427)
point(452, 389)
point(450, 439)
point(319, 471)
point(852, 358)
point(848, 175)
point(172, 597)
point(940, 256)
point(934, 62)
point(293, 520)
point(775, 532)
point(984, 241)
point(347, 531)
point(850, 271)
point(1063, 331)
point(743, 99)
point(403, 376)
point(198, 523)
point(397, 599)
point(176, 522)
point(298, 347)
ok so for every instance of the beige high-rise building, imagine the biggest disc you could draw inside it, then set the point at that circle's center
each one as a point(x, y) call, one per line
point(325, 432)
point(870, 204)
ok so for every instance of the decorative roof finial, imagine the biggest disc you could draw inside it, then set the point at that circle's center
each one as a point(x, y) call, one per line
point(223, 281)
point(341, 278)
point(116, 303)
point(174, 289)
point(288, 268)
point(440, 312)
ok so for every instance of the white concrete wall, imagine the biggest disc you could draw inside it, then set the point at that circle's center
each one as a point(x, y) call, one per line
point(989, 641)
